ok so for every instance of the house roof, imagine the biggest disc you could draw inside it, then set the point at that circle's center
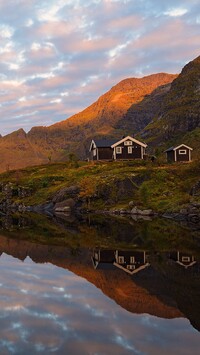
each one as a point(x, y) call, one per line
point(131, 139)
point(179, 146)
point(102, 143)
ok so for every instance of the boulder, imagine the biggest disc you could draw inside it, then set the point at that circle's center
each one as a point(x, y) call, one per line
point(66, 193)
point(65, 209)
point(146, 212)
point(134, 210)
point(66, 203)
point(137, 211)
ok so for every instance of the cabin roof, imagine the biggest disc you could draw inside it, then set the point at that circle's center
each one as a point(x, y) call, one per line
point(104, 143)
point(101, 143)
point(179, 146)
point(131, 139)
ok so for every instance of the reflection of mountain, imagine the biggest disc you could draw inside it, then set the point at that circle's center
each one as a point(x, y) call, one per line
point(116, 284)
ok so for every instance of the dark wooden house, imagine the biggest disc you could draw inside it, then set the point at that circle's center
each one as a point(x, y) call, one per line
point(100, 149)
point(181, 153)
point(127, 148)
point(131, 261)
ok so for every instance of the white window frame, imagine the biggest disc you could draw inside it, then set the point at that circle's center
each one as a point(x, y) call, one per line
point(118, 150)
point(130, 267)
point(130, 150)
point(128, 143)
point(182, 151)
point(132, 259)
point(185, 259)
point(121, 259)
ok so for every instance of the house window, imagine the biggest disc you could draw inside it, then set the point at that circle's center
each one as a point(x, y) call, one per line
point(128, 143)
point(132, 259)
point(130, 150)
point(182, 151)
point(119, 150)
point(131, 267)
point(121, 259)
point(94, 152)
point(185, 259)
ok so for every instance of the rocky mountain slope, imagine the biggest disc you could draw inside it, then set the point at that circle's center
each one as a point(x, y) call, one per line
point(104, 117)
point(178, 117)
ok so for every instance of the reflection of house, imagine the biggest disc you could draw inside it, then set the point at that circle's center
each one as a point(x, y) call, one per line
point(103, 259)
point(183, 259)
point(179, 153)
point(131, 261)
point(127, 148)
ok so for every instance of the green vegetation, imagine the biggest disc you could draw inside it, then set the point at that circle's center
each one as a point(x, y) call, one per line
point(110, 184)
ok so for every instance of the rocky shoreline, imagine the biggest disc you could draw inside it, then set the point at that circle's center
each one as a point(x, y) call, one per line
point(67, 201)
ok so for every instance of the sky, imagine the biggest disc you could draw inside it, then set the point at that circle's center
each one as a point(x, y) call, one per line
point(58, 56)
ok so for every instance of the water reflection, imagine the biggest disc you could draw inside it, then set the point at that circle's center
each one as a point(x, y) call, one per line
point(45, 309)
point(51, 302)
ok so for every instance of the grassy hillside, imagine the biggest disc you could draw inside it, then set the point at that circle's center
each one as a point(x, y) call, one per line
point(110, 185)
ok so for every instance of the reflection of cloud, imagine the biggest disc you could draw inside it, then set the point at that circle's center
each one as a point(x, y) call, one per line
point(64, 313)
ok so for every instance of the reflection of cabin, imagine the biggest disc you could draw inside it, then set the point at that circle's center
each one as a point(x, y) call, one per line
point(183, 259)
point(103, 259)
point(180, 153)
point(125, 149)
point(131, 261)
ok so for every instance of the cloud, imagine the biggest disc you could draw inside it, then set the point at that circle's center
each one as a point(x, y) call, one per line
point(83, 48)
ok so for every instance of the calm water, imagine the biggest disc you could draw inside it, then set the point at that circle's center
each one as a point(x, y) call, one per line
point(81, 297)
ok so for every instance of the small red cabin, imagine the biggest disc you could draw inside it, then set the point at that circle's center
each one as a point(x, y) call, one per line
point(181, 153)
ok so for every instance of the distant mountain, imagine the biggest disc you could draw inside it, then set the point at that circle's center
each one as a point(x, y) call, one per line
point(105, 117)
point(161, 109)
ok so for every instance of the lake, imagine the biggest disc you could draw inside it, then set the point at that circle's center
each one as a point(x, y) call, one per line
point(98, 285)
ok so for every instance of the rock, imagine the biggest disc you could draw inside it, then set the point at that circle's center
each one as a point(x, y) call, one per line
point(137, 211)
point(195, 204)
point(123, 211)
point(66, 193)
point(66, 203)
point(146, 212)
point(134, 210)
point(183, 211)
point(131, 204)
point(65, 209)
point(194, 218)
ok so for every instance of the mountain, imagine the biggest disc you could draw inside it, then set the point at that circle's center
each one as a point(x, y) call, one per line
point(105, 117)
point(177, 119)
point(161, 109)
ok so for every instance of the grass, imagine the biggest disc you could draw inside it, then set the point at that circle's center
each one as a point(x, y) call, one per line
point(162, 187)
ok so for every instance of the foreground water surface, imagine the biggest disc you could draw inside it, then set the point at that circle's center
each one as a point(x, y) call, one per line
point(98, 286)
